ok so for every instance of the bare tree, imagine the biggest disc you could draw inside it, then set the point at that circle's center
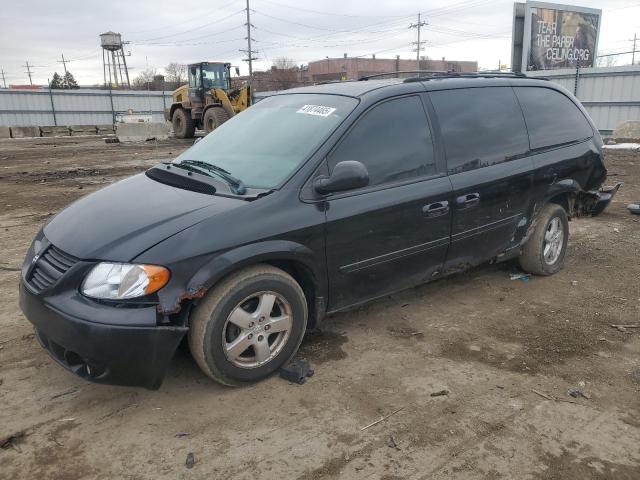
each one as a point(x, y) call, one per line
point(176, 73)
point(144, 79)
point(284, 73)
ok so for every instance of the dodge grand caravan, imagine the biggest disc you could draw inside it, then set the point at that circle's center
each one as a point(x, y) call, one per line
point(312, 201)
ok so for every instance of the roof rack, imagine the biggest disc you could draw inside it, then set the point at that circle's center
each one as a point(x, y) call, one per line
point(421, 75)
point(397, 73)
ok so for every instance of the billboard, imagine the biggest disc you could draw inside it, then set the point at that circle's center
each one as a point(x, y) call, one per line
point(558, 36)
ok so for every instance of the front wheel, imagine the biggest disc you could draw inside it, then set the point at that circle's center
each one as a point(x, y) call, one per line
point(183, 124)
point(544, 252)
point(248, 326)
point(213, 118)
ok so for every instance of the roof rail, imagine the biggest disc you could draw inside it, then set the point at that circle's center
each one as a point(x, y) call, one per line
point(420, 75)
point(397, 73)
point(485, 74)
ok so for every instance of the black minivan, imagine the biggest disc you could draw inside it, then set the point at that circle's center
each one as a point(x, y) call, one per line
point(309, 202)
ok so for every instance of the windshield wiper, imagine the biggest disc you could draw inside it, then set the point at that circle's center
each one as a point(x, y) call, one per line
point(237, 186)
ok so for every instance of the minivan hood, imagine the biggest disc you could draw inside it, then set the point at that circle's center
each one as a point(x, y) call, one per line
point(122, 220)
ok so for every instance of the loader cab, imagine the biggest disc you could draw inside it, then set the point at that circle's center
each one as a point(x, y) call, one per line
point(204, 76)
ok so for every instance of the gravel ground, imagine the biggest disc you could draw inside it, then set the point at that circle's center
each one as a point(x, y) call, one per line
point(505, 351)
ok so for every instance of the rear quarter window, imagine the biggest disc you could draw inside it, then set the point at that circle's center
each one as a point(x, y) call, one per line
point(480, 126)
point(552, 118)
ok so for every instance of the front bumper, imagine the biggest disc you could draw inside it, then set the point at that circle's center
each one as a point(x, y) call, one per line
point(113, 353)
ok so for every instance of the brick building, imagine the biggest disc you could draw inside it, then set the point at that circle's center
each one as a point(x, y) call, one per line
point(352, 68)
point(345, 68)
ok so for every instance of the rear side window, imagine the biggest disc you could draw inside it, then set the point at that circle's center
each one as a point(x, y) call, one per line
point(480, 126)
point(552, 119)
point(392, 140)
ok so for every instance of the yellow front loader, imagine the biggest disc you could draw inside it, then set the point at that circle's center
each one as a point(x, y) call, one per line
point(207, 101)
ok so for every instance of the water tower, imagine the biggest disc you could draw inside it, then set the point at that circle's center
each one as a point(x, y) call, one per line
point(113, 60)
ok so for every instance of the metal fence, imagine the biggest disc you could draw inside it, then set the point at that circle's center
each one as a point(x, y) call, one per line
point(611, 95)
point(77, 107)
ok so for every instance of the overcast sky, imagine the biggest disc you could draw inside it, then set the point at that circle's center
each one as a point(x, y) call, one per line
point(163, 31)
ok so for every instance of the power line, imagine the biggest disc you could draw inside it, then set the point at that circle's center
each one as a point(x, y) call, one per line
point(208, 24)
point(418, 44)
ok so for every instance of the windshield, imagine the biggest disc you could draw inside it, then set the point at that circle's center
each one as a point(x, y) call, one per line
point(214, 75)
point(264, 144)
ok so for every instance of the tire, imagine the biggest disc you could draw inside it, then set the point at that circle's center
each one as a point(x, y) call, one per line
point(183, 124)
point(213, 118)
point(535, 257)
point(239, 297)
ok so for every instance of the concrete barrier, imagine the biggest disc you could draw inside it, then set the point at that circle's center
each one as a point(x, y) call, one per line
point(5, 132)
point(140, 132)
point(83, 130)
point(23, 132)
point(105, 129)
point(55, 131)
point(628, 131)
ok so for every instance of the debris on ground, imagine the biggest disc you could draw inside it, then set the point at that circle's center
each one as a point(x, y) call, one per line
point(181, 434)
point(382, 419)
point(297, 371)
point(440, 393)
point(10, 441)
point(634, 208)
point(523, 277)
point(405, 332)
point(623, 328)
point(391, 443)
point(577, 392)
point(191, 460)
point(574, 283)
point(63, 394)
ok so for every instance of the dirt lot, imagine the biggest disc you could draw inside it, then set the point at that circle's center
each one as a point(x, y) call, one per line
point(491, 342)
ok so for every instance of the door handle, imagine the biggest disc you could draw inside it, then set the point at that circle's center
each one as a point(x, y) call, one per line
point(468, 200)
point(436, 209)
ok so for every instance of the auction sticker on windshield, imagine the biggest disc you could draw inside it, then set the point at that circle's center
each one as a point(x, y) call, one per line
point(318, 110)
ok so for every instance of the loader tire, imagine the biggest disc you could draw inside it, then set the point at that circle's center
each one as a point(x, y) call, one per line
point(213, 118)
point(183, 124)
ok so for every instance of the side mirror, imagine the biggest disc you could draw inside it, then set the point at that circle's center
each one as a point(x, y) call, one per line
point(346, 175)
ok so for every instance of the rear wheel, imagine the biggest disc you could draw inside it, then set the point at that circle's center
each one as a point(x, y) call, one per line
point(248, 326)
point(213, 118)
point(183, 124)
point(544, 252)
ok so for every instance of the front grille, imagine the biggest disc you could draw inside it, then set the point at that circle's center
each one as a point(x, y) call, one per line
point(49, 268)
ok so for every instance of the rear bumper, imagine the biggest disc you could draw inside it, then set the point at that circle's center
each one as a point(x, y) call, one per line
point(103, 353)
point(604, 197)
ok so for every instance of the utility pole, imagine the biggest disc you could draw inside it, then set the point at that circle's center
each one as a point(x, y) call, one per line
point(250, 58)
point(633, 54)
point(28, 72)
point(3, 80)
point(64, 63)
point(419, 43)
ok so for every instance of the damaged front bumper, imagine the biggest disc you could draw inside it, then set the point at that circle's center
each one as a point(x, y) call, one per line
point(117, 353)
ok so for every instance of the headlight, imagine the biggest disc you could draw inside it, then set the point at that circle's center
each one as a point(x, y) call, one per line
point(120, 281)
